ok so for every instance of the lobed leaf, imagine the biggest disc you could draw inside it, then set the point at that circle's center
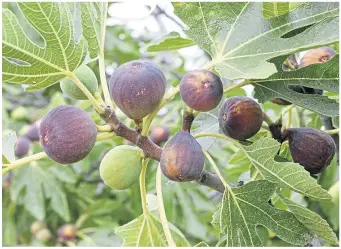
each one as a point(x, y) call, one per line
point(272, 9)
point(170, 42)
point(8, 142)
point(216, 27)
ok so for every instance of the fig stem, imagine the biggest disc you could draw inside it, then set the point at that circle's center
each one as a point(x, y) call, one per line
point(238, 85)
point(147, 122)
point(211, 180)
point(143, 186)
point(332, 132)
point(85, 90)
point(103, 128)
point(267, 119)
point(163, 216)
point(105, 136)
point(23, 161)
point(187, 119)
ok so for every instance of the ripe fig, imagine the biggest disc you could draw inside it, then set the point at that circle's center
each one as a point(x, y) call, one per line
point(182, 158)
point(33, 133)
point(21, 147)
point(67, 134)
point(159, 134)
point(86, 76)
point(201, 90)
point(44, 235)
point(37, 226)
point(298, 89)
point(311, 148)
point(137, 87)
point(121, 167)
point(317, 55)
point(240, 117)
point(67, 232)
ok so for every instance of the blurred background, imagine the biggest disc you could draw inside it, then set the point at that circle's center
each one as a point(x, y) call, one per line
point(44, 196)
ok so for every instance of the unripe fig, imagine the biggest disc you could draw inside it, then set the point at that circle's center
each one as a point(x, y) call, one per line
point(240, 117)
point(201, 90)
point(298, 89)
point(37, 226)
point(33, 132)
point(137, 88)
point(311, 148)
point(20, 114)
point(317, 55)
point(67, 134)
point(86, 76)
point(121, 167)
point(67, 232)
point(182, 158)
point(21, 147)
point(44, 235)
point(159, 134)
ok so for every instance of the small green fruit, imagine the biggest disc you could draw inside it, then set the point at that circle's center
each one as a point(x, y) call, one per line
point(121, 167)
point(43, 235)
point(37, 226)
point(86, 76)
point(20, 114)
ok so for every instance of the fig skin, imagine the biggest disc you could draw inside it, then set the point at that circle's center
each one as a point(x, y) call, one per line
point(317, 55)
point(137, 88)
point(201, 90)
point(240, 117)
point(67, 232)
point(67, 134)
point(86, 76)
point(182, 159)
point(120, 168)
point(311, 148)
point(22, 146)
point(159, 134)
point(298, 89)
point(33, 133)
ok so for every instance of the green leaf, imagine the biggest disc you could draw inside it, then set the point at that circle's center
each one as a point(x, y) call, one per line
point(24, 62)
point(216, 27)
point(243, 209)
point(202, 244)
point(93, 14)
point(273, 9)
point(172, 41)
point(286, 174)
point(147, 231)
point(39, 183)
point(313, 221)
point(8, 142)
point(323, 76)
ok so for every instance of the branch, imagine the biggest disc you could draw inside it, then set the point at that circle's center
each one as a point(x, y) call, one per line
point(187, 120)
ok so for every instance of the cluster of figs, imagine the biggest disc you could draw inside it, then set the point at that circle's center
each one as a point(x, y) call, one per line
point(67, 133)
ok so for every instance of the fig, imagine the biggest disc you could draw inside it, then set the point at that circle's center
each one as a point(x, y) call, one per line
point(67, 232)
point(20, 114)
point(44, 235)
point(159, 134)
point(298, 89)
point(182, 158)
point(86, 76)
point(311, 148)
point(137, 88)
point(21, 147)
point(317, 55)
point(240, 117)
point(67, 134)
point(33, 132)
point(37, 226)
point(201, 90)
point(120, 168)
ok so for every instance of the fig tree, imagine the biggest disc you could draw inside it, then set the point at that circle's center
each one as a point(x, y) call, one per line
point(33, 132)
point(137, 88)
point(182, 158)
point(240, 117)
point(37, 226)
point(311, 148)
point(21, 147)
point(67, 134)
point(121, 167)
point(201, 90)
point(159, 134)
point(67, 232)
point(86, 76)
point(317, 55)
